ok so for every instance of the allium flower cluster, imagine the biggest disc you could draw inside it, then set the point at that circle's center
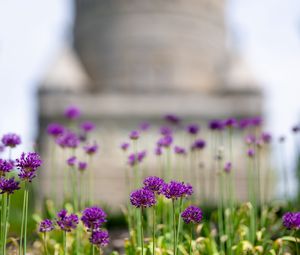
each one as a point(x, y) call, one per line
point(134, 135)
point(28, 164)
point(87, 126)
point(228, 167)
point(172, 118)
point(82, 166)
point(8, 186)
point(91, 149)
point(55, 129)
point(175, 190)
point(291, 220)
point(266, 137)
point(230, 123)
point(216, 125)
point(199, 144)
point(136, 158)
point(154, 184)
point(179, 150)
point(11, 140)
point(72, 113)
point(165, 141)
point(158, 151)
point(68, 140)
point(251, 153)
point(142, 198)
point(99, 238)
point(67, 222)
point(165, 130)
point(144, 126)
point(192, 214)
point(71, 161)
point(193, 129)
point(46, 226)
point(124, 146)
point(5, 166)
point(93, 218)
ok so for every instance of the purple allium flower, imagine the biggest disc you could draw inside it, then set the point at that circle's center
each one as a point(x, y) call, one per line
point(55, 129)
point(216, 125)
point(8, 186)
point(165, 141)
point(296, 128)
point(256, 121)
point(82, 166)
point(67, 222)
point(154, 184)
point(144, 126)
point(141, 155)
point(199, 144)
point(291, 220)
point(142, 198)
point(158, 151)
point(251, 153)
point(228, 167)
point(91, 149)
point(2, 148)
point(250, 139)
point(135, 158)
point(172, 118)
point(192, 214)
point(230, 123)
point(72, 113)
point(124, 146)
point(99, 238)
point(134, 135)
point(165, 131)
point(6, 166)
point(46, 226)
point(193, 129)
point(174, 190)
point(68, 140)
point(87, 126)
point(71, 161)
point(28, 164)
point(179, 150)
point(244, 123)
point(93, 217)
point(266, 137)
point(11, 140)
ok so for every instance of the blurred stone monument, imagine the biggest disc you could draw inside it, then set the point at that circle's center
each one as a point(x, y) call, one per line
point(135, 60)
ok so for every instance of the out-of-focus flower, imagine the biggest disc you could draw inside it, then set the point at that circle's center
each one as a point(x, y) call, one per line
point(100, 238)
point(192, 214)
point(142, 198)
point(179, 150)
point(67, 222)
point(244, 123)
point(193, 129)
point(91, 149)
point(154, 183)
point(55, 129)
point(72, 113)
point(228, 167)
point(251, 153)
point(8, 186)
point(165, 131)
point(68, 140)
point(82, 166)
point(250, 139)
point(11, 140)
point(296, 128)
point(136, 158)
point(28, 164)
point(93, 217)
point(216, 125)
point(158, 151)
point(134, 135)
point(230, 123)
point(291, 220)
point(144, 126)
point(199, 144)
point(46, 226)
point(165, 141)
point(172, 118)
point(124, 146)
point(175, 190)
point(6, 166)
point(256, 121)
point(87, 126)
point(266, 137)
point(71, 161)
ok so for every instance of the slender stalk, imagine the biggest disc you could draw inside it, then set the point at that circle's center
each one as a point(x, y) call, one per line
point(23, 220)
point(6, 219)
point(179, 223)
point(25, 223)
point(153, 227)
point(297, 247)
point(142, 232)
point(45, 243)
point(220, 213)
point(191, 236)
point(64, 242)
point(174, 227)
point(93, 249)
point(3, 210)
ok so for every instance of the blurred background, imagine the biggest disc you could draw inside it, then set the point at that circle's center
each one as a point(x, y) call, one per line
point(122, 62)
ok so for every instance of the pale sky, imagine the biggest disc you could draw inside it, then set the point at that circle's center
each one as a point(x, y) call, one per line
point(32, 32)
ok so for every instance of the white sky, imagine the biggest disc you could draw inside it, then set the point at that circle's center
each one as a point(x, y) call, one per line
point(31, 32)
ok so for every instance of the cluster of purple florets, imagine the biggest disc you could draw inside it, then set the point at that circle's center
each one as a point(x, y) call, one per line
point(175, 190)
point(11, 140)
point(67, 222)
point(291, 220)
point(136, 158)
point(28, 164)
point(73, 162)
point(192, 214)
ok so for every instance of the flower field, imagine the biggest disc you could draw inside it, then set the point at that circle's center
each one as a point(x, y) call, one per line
point(192, 205)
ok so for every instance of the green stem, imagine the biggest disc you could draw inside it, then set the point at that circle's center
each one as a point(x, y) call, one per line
point(297, 247)
point(25, 223)
point(6, 219)
point(93, 249)
point(65, 242)
point(142, 232)
point(23, 220)
point(179, 222)
point(45, 243)
point(153, 227)
point(220, 213)
point(174, 227)
point(191, 236)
